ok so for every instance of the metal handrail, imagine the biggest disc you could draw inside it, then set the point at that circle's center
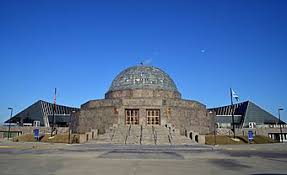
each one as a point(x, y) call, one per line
point(170, 132)
point(141, 134)
point(169, 140)
point(113, 134)
point(154, 135)
point(169, 136)
point(130, 130)
point(128, 133)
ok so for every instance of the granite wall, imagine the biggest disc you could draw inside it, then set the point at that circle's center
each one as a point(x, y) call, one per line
point(142, 93)
point(180, 114)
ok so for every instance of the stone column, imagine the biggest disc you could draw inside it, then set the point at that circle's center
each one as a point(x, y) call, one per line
point(121, 116)
point(163, 116)
point(142, 116)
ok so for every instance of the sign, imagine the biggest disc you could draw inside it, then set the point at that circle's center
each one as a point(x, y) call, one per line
point(250, 136)
point(36, 133)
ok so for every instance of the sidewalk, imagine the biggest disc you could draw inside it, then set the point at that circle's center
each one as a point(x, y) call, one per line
point(257, 147)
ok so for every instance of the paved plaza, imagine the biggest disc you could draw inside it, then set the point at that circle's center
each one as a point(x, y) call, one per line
point(41, 158)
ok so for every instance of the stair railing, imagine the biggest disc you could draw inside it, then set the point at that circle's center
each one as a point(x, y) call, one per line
point(141, 134)
point(128, 133)
point(169, 136)
point(113, 134)
point(169, 130)
point(169, 140)
point(154, 135)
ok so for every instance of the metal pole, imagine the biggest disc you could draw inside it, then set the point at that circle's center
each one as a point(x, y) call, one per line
point(214, 133)
point(281, 136)
point(69, 141)
point(9, 130)
point(54, 108)
point(232, 112)
point(53, 125)
point(70, 122)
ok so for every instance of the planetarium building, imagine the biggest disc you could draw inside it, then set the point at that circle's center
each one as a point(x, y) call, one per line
point(143, 99)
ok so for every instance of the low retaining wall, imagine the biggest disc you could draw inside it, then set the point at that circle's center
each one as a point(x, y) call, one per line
point(195, 136)
point(85, 137)
point(29, 130)
point(244, 131)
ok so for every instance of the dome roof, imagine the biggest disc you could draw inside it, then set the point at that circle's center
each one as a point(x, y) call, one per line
point(143, 77)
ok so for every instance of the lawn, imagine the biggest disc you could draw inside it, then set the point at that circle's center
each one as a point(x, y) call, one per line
point(225, 140)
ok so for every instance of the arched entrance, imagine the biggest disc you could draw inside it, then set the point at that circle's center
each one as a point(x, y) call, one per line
point(196, 138)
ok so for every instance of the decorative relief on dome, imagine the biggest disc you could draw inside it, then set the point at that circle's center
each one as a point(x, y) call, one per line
point(143, 77)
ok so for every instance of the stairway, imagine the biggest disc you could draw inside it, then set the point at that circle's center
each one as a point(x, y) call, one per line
point(120, 134)
point(133, 136)
point(145, 135)
point(162, 135)
point(178, 139)
point(102, 139)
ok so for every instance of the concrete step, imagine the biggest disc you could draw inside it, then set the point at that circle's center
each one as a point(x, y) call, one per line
point(105, 138)
point(132, 135)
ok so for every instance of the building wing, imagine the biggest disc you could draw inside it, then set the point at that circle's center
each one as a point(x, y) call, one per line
point(244, 113)
point(43, 111)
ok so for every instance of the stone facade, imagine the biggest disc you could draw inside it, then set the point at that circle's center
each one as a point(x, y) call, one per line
point(142, 93)
point(180, 114)
point(144, 101)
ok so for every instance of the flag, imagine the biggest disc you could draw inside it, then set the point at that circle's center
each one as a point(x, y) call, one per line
point(234, 95)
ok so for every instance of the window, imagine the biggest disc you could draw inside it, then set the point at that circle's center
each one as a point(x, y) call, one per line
point(132, 116)
point(153, 117)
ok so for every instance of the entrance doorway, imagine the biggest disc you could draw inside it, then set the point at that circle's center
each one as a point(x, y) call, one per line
point(132, 116)
point(153, 116)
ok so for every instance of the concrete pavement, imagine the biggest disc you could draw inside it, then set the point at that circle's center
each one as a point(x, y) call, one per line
point(31, 158)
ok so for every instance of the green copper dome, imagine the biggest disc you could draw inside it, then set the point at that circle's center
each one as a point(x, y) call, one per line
point(143, 77)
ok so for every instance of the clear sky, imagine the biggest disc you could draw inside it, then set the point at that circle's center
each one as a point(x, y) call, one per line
point(205, 46)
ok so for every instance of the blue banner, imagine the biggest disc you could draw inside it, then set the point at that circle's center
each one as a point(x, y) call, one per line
point(250, 135)
point(36, 133)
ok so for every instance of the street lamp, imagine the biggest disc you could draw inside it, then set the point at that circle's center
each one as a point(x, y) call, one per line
point(70, 122)
point(11, 109)
point(215, 126)
point(281, 136)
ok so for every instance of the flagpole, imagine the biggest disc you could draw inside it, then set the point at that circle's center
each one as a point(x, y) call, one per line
point(232, 112)
point(54, 109)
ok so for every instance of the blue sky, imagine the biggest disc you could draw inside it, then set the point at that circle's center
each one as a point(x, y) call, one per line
point(205, 46)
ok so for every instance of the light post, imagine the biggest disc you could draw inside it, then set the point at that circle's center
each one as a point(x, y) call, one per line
point(54, 110)
point(281, 136)
point(215, 126)
point(9, 130)
point(232, 112)
point(70, 122)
